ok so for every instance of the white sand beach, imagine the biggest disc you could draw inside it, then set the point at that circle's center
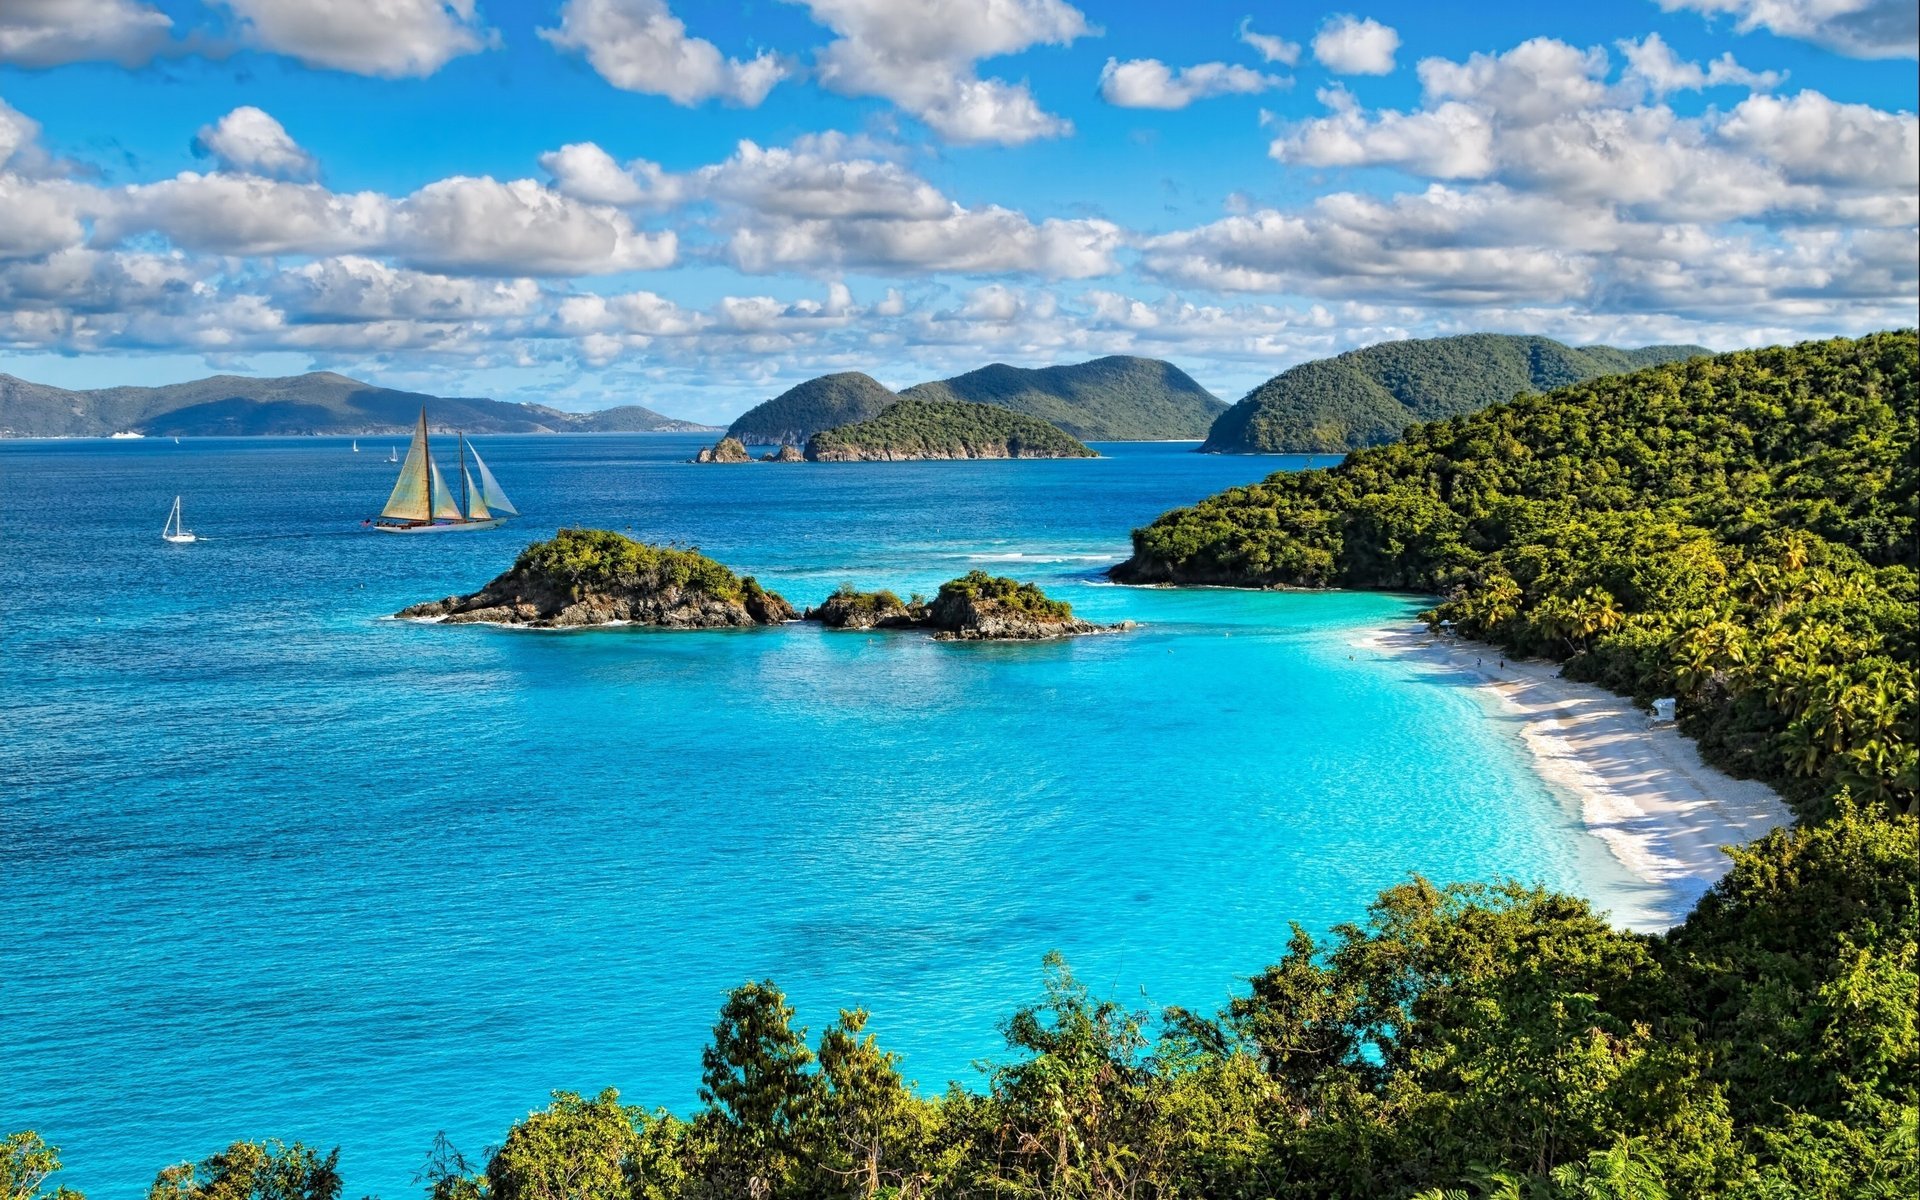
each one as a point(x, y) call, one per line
point(1643, 789)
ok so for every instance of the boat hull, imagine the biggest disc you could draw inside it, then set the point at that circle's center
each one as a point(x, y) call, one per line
point(442, 527)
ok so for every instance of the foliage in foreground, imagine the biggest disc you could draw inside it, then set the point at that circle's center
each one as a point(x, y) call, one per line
point(1737, 531)
point(1479, 1040)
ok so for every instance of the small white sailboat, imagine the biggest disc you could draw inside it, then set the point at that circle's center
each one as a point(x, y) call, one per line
point(422, 503)
point(356, 445)
point(393, 454)
point(173, 531)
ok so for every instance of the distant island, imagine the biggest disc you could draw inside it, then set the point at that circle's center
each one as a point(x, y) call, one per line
point(320, 402)
point(923, 429)
point(1114, 399)
point(975, 607)
point(1368, 397)
point(915, 430)
point(1119, 398)
point(583, 577)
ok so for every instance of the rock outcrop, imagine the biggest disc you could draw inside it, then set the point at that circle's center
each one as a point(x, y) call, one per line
point(726, 450)
point(975, 607)
point(786, 453)
point(584, 577)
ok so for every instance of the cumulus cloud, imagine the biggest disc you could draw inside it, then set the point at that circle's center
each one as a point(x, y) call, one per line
point(250, 141)
point(1272, 49)
point(1857, 28)
point(1150, 83)
point(48, 33)
point(1349, 45)
point(586, 172)
point(1543, 118)
point(639, 46)
point(922, 56)
point(388, 38)
point(354, 288)
point(1652, 64)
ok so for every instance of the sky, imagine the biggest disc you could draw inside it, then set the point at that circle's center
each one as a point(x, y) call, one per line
point(693, 204)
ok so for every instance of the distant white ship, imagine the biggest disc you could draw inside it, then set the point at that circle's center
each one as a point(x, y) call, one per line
point(126, 433)
point(422, 503)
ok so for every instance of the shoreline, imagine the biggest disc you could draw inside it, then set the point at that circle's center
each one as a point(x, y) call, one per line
point(1643, 791)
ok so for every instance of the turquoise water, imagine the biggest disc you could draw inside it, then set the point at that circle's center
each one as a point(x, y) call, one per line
point(277, 866)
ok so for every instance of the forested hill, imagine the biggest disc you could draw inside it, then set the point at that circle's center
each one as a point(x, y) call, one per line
point(1736, 530)
point(921, 429)
point(805, 409)
point(1118, 398)
point(1367, 397)
point(317, 403)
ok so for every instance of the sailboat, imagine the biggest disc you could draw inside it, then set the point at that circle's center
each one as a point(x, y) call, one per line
point(173, 530)
point(422, 503)
point(356, 445)
point(393, 454)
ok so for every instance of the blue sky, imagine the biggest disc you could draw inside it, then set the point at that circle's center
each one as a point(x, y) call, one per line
point(691, 205)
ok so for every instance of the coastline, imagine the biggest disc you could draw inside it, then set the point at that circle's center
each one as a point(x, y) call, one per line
point(1643, 791)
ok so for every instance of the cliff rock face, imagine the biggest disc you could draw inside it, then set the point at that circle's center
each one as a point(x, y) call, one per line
point(726, 450)
point(786, 453)
point(592, 577)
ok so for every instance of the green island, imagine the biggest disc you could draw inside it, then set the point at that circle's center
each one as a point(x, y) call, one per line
point(582, 577)
point(1368, 397)
point(1117, 399)
point(807, 408)
point(1737, 530)
point(924, 429)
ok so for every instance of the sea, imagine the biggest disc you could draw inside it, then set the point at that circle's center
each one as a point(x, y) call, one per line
point(280, 866)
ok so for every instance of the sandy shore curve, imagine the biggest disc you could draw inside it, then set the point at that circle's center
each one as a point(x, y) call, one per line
point(1643, 789)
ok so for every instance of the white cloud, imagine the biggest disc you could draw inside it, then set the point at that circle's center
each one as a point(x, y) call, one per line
point(1272, 49)
point(586, 172)
point(1150, 83)
point(250, 141)
point(922, 54)
point(47, 33)
point(1858, 28)
point(989, 241)
point(1349, 45)
point(639, 46)
point(480, 225)
point(388, 38)
point(1652, 64)
point(41, 216)
point(247, 215)
point(1543, 118)
point(353, 288)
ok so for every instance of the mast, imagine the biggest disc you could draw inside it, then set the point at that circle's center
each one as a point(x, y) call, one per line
point(465, 509)
point(426, 470)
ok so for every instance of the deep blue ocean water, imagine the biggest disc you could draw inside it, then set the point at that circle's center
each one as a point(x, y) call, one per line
point(279, 867)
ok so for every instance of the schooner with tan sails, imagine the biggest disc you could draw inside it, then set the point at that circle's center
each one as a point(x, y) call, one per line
point(422, 503)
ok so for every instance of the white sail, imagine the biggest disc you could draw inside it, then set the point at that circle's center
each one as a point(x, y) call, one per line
point(444, 503)
point(490, 492)
point(476, 503)
point(412, 499)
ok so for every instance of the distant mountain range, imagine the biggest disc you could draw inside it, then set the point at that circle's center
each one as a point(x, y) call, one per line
point(1368, 397)
point(317, 403)
point(1109, 399)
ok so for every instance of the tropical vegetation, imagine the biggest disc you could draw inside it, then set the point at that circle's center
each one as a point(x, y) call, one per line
point(913, 429)
point(1368, 397)
point(582, 561)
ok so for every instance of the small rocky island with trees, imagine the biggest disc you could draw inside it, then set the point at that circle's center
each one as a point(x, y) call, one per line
point(581, 578)
point(917, 430)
